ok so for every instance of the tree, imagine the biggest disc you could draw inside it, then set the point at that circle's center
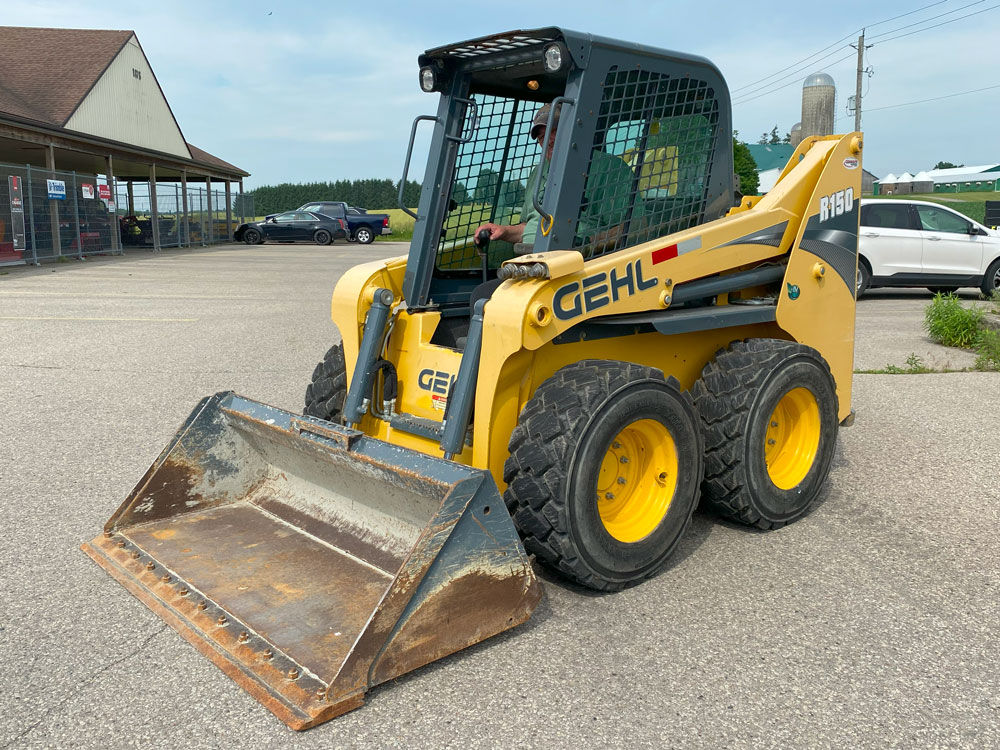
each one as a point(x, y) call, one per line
point(486, 185)
point(774, 136)
point(947, 165)
point(787, 138)
point(762, 141)
point(459, 193)
point(745, 167)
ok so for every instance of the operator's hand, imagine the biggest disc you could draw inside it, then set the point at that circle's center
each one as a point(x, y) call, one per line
point(497, 231)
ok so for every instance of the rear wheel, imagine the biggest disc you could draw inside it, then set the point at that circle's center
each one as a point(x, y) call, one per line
point(991, 281)
point(252, 237)
point(322, 237)
point(603, 476)
point(325, 394)
point(364, 235)
point(769, 415)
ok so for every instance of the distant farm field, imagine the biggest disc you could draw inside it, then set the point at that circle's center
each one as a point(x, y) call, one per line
point(972, 205)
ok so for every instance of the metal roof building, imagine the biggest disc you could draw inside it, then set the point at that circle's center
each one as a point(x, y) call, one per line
point(86, 103)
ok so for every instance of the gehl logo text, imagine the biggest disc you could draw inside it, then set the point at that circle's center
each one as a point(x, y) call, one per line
point(594, 292)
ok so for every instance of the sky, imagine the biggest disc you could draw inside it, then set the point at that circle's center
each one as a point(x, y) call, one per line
point(322, 91)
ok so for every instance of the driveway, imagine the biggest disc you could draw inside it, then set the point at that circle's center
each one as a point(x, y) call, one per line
point(872, 622)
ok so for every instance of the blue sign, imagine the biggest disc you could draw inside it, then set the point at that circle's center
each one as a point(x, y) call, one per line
point(57, 190)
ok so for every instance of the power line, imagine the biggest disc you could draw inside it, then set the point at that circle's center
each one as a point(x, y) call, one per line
point(943, 23)
point(795, 75)
point(751, 96)
point(852, 35)
point(934, 99)
point(925, 20)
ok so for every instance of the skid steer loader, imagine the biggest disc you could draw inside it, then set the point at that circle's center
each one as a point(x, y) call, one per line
point(652, 339)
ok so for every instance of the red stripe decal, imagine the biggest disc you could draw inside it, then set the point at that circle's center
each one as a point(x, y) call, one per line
point(664, 253)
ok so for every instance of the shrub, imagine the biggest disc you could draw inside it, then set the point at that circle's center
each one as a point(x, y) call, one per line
point(988, 349)
point(950, 324)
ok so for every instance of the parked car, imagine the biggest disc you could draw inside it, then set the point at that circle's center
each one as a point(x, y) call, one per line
point(363, 226)
point(293, 226)
point(906, 243)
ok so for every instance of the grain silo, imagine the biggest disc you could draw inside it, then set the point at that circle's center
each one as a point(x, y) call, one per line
point(795, 136)
point(819, 102)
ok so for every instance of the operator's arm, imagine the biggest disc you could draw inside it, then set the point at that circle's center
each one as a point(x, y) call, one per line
point(512, 233)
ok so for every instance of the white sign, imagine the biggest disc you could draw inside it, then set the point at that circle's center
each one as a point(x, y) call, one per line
point(57, 189)
point(87, 190)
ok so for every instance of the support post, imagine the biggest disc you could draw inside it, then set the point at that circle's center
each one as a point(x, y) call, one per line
point(184, 210)
point(76, 220)
point(229, 212)
point(211, 213)
point(31, 217)
point(50, 164)
point(131, 198)
point(154, 215)
point(113, 217)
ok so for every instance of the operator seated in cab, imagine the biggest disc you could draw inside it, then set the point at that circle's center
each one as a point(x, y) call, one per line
point(606, 201)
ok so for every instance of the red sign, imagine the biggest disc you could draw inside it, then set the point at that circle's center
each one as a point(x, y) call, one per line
point(104, 192)
point(87, 189)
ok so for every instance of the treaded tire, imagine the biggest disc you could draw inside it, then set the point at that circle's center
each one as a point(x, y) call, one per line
point(364, 235)
point(322, 237)
point(325, 394)
point(864, 278)
point(556, 451)
point(736, 396)
point(991, 279)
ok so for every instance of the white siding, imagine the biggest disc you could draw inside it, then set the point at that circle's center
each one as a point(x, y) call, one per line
point(129, 108)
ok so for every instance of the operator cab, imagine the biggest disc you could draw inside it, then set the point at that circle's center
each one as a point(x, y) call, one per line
point(642, 149)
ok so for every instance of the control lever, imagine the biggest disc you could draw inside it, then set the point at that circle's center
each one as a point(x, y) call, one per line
point(482, 247)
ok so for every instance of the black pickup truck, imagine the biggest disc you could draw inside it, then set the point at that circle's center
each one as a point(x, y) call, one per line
point(364, 227)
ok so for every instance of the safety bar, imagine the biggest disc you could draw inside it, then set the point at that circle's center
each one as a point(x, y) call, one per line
point(536, 199)
point(406, 164)
point(364, 371)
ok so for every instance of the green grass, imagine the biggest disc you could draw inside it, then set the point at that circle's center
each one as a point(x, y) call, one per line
point(914, 366)
point(972, 204)
point(951, 324)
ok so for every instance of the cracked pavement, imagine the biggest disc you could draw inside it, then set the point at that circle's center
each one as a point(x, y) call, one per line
point(871, 622)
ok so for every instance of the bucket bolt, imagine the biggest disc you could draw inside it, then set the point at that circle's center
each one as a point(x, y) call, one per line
point(293, 674)
point(202, 605)
point(244, 637)
point(183, 591)
point(121, 543)
point(135, 555)
point(222, 620)
point(165, 579)
point(150, 566)
point(268, 653)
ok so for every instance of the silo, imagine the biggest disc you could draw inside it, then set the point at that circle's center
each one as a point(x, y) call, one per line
point(819, 102)
point(904, 184)
point(796, 134)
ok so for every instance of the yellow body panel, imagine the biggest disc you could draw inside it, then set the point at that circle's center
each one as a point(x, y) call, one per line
point(525, 317)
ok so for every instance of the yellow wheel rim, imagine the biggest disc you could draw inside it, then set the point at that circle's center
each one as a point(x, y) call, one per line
point(637, 480)
point(792, 439)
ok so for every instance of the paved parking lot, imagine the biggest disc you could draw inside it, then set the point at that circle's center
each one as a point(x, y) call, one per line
point(872, 622)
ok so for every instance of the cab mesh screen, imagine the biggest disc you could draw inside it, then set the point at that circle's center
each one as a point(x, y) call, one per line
point(489, 182)
point(650, 163)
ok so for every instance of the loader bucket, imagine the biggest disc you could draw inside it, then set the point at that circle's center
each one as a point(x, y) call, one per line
point(310, 562)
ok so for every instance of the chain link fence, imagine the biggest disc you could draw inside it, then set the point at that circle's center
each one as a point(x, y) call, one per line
point(46, 215)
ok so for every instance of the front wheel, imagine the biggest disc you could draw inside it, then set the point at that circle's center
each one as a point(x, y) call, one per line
point(864, 279)
point(325, 394)
point(604, 469)
point(364, 235)
point(768, 412)
point(322, 237)
point(991, 281)
point(252, 237)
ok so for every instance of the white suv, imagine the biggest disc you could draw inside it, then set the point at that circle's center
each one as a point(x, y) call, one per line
point(916, 243)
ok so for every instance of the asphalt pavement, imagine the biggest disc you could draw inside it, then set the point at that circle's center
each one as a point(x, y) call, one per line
point(872, 622)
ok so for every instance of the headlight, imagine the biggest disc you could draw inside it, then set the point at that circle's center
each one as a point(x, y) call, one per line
point(428, 80)
point(552, 58)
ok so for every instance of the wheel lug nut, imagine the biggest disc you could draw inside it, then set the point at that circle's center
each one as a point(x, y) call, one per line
point(621, 480)
point(609, 496)
point(774, 424)
point(770, 441)
point(624, 459)
point(616, 445)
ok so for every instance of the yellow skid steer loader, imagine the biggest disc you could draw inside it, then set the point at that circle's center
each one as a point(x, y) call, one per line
point(591, 332)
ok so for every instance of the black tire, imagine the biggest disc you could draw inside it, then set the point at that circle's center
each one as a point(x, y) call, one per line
point(252, 237)
point(325, 394)
point(942, 289)
point(364, 235)
point(864, 278)
point(566, 437)
point(322, 237)
point(737, 396)
point(991, 280)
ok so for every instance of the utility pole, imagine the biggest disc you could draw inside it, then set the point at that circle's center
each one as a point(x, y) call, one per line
point(857, 91)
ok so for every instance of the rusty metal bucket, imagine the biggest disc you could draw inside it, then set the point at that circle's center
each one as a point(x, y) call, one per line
point(310, 562)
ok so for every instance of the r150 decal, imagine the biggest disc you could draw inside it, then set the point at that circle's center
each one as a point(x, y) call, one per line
point(837, 204)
